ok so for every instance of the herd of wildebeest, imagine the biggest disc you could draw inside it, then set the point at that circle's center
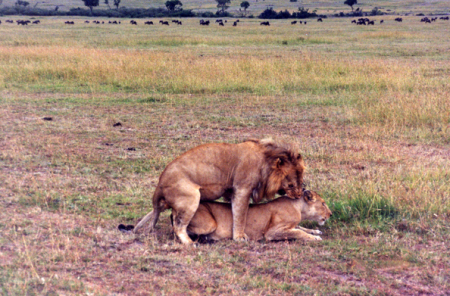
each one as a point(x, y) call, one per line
point(221, 22)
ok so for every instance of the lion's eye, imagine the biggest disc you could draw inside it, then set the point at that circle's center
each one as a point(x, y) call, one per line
point(291, 185)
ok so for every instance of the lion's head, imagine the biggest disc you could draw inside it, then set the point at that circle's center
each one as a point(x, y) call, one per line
point(317, 208)
point(286, 170)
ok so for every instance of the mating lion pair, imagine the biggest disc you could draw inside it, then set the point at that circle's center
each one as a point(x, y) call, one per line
point(254, 169)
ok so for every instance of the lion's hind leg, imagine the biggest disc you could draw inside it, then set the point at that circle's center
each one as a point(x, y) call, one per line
point(183, 210)
point(283, 233)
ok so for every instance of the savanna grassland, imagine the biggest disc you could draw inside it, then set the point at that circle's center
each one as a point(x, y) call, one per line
point(368, 107)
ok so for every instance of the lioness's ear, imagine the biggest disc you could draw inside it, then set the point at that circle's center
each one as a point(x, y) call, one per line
point(308, 195)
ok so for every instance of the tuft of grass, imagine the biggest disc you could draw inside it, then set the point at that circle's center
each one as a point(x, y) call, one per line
point(362, 207)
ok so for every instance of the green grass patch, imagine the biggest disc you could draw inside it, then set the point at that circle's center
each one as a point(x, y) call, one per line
point(361, 207)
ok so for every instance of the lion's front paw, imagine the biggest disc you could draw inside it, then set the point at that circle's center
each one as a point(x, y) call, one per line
point(315, 237)
point(318, 232)
point(240, 238)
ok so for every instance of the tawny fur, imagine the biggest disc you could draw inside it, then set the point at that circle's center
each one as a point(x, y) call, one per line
point(254, 169)
point(275, 220)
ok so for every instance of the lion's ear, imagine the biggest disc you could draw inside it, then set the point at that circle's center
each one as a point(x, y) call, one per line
point(280, 162)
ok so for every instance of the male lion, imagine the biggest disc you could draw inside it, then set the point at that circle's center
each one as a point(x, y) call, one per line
point(254, 169)
point(275, 220)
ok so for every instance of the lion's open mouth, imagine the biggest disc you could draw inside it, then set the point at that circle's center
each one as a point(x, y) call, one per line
point(281, 192)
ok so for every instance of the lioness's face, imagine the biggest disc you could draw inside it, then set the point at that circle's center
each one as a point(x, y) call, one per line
point(292, 184)
point(317, 208)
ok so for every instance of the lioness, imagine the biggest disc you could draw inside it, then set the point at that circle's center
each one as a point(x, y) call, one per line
point(275, 220)
point(254, 169)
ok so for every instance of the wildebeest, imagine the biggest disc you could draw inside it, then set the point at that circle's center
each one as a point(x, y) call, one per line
point(148, 23)
point(36, 22)
point(23, 22)
point(382, 21)
point(133, 22)
point(234, 24)
point(319, 19)
point(70, 23)
point(265, 24)
point(293, 23)
point(399, 19)
point(165, 23)
point(445, 18)
point(204, 23)
point(221, 24)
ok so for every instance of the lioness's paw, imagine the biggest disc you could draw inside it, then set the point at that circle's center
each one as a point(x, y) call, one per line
point(318, 232)
point(240, 238)
point(317, 238)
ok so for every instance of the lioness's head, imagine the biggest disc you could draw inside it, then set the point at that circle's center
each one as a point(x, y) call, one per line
point(316, 208)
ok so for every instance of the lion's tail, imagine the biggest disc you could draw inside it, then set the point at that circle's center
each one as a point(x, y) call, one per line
point(159, 205)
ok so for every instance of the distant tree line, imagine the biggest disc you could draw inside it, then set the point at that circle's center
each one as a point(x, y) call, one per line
point(174, 9)
point(119, 13)
point(302, 13)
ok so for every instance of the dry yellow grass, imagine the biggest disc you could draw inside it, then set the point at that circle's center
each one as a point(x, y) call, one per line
point(392, 92)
